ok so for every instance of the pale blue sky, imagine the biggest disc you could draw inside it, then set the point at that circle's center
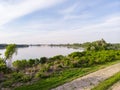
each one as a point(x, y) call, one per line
point(59, 21)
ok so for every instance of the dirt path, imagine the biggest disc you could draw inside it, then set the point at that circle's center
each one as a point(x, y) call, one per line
point(89, 81)
point(116, 86)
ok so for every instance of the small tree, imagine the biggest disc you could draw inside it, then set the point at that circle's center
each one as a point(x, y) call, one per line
point(10, 50)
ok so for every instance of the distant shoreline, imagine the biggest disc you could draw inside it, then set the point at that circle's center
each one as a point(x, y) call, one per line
point(3, 46)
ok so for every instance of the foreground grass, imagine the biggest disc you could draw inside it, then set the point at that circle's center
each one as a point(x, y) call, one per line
point(63, 77)
point(108, 82)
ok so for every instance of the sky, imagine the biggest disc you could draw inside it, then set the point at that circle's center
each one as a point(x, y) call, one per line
point(59, 21)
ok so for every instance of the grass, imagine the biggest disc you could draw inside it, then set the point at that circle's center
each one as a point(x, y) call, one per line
point(108, 82)
point(63, 77)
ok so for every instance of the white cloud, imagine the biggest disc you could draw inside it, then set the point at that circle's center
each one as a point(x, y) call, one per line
point(10, 10)
point(77, 10)
point(69, 9)
point(82, 16)
point(105, 24)
point(108, 29)
point(109, 24)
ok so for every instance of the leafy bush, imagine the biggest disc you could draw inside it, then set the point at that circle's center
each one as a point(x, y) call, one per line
point(58, 57)
point(17, 76)
point(20, 77)
point(76, 54)
point(31, 62)
point(7, 83)
point(88, 58)
point(43, 60)
point(43, 72)
point(3, 67)
point(20, 64)
point(39, 74)
point(25, 78)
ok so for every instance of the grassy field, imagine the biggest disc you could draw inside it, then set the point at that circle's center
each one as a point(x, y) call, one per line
point(63, 77)
point(108, 82)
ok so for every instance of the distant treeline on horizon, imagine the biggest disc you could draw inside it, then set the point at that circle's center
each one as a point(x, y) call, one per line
point(3, 46)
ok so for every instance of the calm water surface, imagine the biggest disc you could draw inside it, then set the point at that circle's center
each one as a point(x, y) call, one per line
point(42, 51)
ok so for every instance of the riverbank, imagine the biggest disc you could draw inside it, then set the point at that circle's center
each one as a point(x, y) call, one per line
point(66, 76)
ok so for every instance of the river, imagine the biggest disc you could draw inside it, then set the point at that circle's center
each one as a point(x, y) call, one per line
point(32, 52)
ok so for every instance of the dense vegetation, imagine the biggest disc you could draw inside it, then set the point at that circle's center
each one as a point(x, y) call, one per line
point(51, 72)
point(64, 76)
point(108, 82)
point(73, 60)
point(96, 45)
point(3, 67)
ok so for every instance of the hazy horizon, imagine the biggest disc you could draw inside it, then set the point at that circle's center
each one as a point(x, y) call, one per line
point(59, 21)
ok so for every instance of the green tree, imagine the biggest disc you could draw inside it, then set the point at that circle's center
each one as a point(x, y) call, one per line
point(10, 50)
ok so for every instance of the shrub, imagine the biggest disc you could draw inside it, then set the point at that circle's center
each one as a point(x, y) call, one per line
point(58, 57)
point(59, 66)
point(20, 77)
point(20, 64)
point(76, 54)
point(7, 83)
point(39, 74)
point(17, 76)
point(3, 67)
point(43, 60)
point(25, 78)
point(31, 62)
